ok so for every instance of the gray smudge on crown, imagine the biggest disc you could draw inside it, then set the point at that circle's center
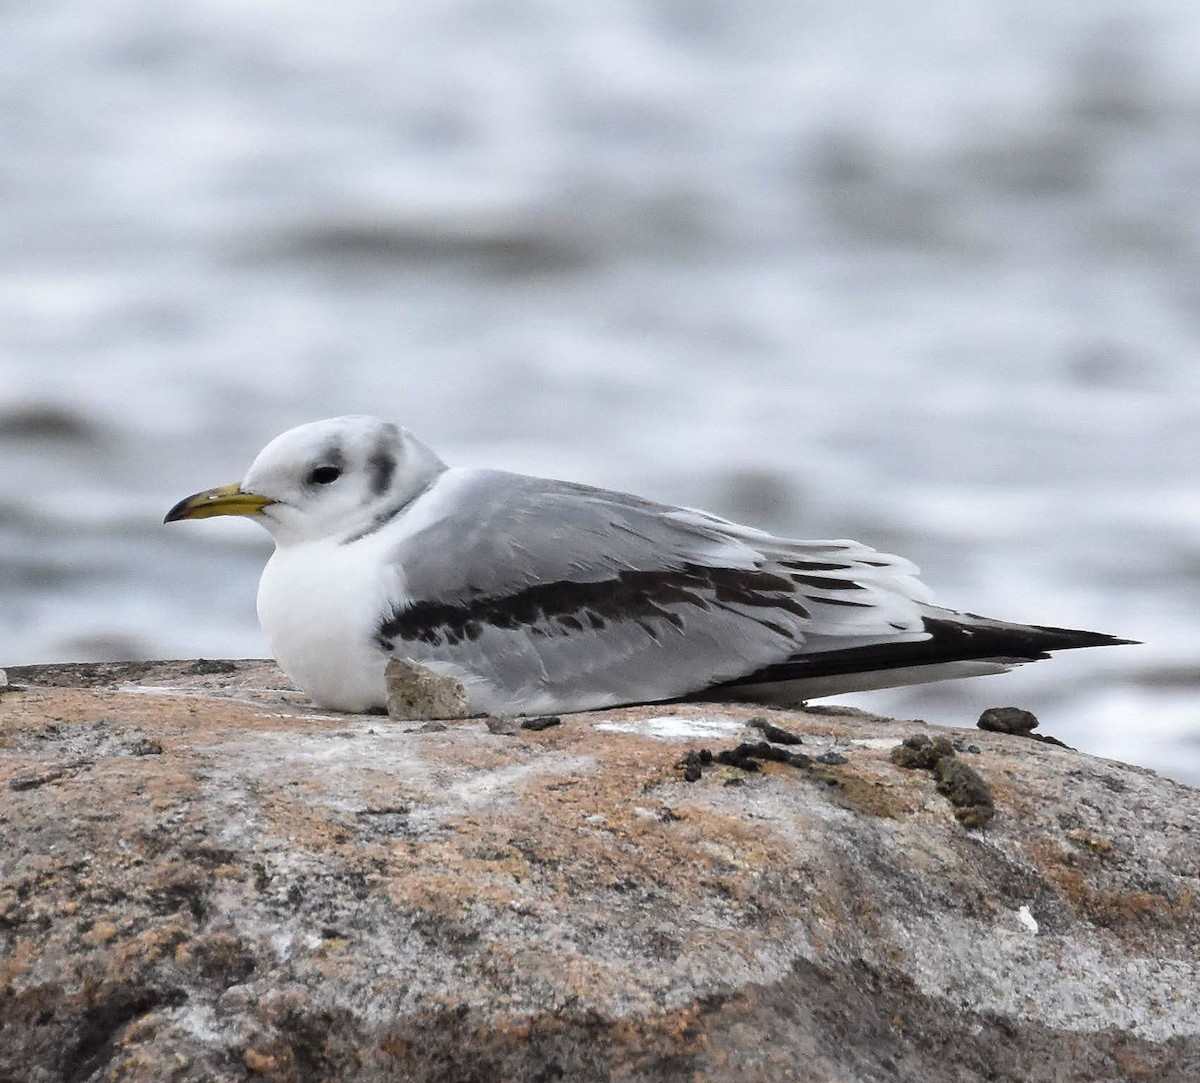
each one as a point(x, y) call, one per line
point(332, 456)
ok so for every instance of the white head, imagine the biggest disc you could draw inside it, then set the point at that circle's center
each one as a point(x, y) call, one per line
point(328, 479)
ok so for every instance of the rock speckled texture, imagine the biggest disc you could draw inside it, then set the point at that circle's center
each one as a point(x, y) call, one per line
point(416, 692)
point(204, 879)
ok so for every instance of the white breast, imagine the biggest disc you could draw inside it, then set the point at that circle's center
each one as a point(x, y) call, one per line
point(320, 604)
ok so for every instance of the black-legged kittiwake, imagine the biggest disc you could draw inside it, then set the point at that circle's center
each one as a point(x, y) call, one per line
point(544, 596)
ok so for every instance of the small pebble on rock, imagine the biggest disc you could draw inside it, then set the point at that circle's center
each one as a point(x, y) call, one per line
point(1008, 720)
point(543, 723)
point(773, 732)
point(832, 759)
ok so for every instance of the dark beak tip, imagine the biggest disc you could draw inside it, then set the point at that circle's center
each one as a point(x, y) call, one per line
point(175, 514)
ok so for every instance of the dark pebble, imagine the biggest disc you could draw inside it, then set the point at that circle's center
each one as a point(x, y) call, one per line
point(832, 759)
point(773, 732)
point(1008, 720)
point(694, 763)
point(746, 755)
point(543, 723)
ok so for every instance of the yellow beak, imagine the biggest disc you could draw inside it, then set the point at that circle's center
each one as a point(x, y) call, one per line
point(226, 500)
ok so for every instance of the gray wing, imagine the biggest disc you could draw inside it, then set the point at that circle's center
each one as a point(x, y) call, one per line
point(546, 595)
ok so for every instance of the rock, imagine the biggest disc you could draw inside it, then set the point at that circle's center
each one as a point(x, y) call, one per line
point(749, 756)
point(772, 732)
point(294, 895)
point(416, 692)
point(1015, 721)
point(694, 762)
point(542, 723)
point(1008, 720)
point(832, 759)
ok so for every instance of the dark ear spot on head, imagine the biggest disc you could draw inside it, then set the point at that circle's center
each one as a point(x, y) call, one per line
point(380, 468)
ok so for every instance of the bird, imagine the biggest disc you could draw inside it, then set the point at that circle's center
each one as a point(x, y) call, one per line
point(544, 596)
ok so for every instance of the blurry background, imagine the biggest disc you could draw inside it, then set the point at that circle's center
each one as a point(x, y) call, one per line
point(928, 278)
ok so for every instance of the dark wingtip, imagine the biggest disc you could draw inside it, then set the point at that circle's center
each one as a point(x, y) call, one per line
point(1066, 639)
point(955, 637)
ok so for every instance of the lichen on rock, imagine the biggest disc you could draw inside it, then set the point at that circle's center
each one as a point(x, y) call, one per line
point(958, 782)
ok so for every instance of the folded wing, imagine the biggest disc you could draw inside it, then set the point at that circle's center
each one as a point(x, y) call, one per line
point(551, 596)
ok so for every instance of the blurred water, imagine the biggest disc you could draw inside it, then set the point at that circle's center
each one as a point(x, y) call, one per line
point(929, 282)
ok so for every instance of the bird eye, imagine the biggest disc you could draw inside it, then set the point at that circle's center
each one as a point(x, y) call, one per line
point(323, 475)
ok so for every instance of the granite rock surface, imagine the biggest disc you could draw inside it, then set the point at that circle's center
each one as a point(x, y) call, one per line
point(203, 878)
